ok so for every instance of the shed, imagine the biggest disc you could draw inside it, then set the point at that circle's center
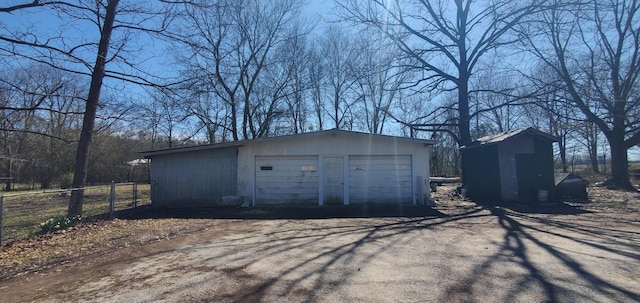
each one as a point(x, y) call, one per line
point(570, 187)
point(511, 167)
point(317, 168)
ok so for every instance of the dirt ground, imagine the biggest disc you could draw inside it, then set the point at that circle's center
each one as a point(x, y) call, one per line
point(455, 252)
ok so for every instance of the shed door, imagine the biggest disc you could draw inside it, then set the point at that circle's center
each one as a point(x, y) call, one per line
point(530, 177)
point(286, 180)
point(380, 179)
point(333, 180)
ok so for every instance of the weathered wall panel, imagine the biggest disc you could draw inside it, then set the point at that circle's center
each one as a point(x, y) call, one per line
point(286, 179)
point(199, 178)
point(507, 152)
point(380, 179)
point(481, 173)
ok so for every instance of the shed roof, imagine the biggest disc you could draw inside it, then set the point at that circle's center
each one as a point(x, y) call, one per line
point(568, 178)
point(151, 153)
point(506, 136)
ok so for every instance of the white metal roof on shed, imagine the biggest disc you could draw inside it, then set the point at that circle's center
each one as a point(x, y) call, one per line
point(502, 137)
point(310, 135)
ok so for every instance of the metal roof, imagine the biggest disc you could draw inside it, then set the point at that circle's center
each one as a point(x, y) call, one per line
point(151, 153)
point(502, 137)
point(568, 178)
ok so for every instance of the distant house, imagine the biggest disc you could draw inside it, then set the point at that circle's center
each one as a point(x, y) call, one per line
point(511, 167)
point(318, 168)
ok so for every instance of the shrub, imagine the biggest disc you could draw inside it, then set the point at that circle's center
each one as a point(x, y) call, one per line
point(66, 180)
point(58, 223)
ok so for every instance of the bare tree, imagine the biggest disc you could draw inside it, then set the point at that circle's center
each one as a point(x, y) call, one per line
point(164, 114)
point(84, 56)
point(29, 96)
point(316, 75)
point(378, 79)
point(339, 53)
point(445, 40)
point(551, 109)
point(495, 106)
point(594, 48)
point(225, 46)
point(294, 57)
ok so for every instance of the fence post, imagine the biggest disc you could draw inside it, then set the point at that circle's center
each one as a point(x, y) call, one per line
point(112, 200)
point(1, 216)
point(135, 194)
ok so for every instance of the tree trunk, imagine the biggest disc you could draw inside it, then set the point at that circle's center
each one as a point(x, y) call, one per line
point(619, 164)
point(7, 181)
point(562, 146)
point(592, 142)
point(593, 157)
point(88, 122)
point(234, 120)
point(463, 110)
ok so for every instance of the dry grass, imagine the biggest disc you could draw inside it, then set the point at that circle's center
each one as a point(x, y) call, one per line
point(600, 199)
point(65, 247)
point(23, 212)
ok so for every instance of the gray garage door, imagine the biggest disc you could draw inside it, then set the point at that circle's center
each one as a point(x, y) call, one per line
point(287, 180)
point(380, 179)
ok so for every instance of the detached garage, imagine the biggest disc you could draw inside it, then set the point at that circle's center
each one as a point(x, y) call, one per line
point(332, 167)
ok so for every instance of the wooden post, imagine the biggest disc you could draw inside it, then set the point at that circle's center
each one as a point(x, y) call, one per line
point(135, 194)
point(1, 215)
point(112, 200)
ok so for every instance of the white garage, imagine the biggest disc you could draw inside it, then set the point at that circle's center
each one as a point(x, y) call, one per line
point(287, 179)
point(333, 167)
point(380, 179)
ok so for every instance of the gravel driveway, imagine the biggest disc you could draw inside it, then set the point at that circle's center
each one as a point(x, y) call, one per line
point(471, 254)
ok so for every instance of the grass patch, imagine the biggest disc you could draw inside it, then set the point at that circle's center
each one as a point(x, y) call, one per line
point(64, 247)
point(24, 212)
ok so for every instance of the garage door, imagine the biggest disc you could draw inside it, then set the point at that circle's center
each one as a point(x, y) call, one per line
point(380, 179)
point(287, 180)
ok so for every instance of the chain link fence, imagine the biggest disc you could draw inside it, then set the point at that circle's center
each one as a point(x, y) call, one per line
point(22, 213)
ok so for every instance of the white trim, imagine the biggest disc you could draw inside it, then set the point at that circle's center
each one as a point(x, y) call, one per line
point(345, 179)
point(253, 188)
point(414, 189)
point(320, 180)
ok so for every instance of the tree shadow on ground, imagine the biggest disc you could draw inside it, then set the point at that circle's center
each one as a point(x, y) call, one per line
point(322, 274)
point(273, 212)
point(530, 236)
point(557, 208)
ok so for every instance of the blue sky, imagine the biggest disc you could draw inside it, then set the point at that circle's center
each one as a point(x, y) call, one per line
point(153, 56)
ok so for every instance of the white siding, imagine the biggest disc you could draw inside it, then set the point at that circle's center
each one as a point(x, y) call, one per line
point(330, 144)
point(380, 179)
point(286, 180)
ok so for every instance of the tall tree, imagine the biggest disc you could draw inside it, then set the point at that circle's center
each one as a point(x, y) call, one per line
point(294, 57)
point(594, 48)
point(551, 109)
point(445, 39)
point(224, 47)
point(378, 79)
point(339, 52)
point(315, 76)
point(85, 55)
point(40, 108)
point(91, 109)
